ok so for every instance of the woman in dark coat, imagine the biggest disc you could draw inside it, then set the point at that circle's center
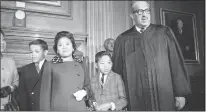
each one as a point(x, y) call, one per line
point(64, 80)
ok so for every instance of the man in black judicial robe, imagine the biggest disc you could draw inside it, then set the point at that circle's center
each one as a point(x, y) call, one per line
point(151, 64)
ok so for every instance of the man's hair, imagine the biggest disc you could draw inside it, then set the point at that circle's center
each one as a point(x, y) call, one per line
point(133, 2)
point(178, 19)
point(106, 42)
point(101, 54)
point(40, 42)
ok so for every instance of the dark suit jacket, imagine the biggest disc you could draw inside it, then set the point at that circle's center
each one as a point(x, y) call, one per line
point(29, 87)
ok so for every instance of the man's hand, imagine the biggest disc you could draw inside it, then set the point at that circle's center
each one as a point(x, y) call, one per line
point(179, 102)
point(104, 107)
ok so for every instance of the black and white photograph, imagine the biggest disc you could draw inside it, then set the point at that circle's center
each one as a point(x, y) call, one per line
point(104, 55)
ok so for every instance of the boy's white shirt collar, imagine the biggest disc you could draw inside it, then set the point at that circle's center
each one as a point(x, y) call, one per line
point(41, 63)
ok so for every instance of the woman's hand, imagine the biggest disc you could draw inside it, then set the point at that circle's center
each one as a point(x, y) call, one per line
point(5, 91)
point(80, 95)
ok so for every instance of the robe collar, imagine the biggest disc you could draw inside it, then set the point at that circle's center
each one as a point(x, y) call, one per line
point(134, 29)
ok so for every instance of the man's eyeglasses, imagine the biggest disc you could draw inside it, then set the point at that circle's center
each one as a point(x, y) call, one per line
point(140, 11)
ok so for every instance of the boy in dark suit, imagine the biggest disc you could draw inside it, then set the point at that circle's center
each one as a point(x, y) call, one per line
point(30, 79)
point(107, 87)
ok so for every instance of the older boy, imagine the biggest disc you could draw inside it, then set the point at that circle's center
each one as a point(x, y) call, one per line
point(30, 79)
point(107, 86)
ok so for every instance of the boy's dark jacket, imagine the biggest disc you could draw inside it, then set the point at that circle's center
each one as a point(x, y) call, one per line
point(29, 87)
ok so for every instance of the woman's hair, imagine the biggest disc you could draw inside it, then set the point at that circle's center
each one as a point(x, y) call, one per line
point(2, 32)
point(67, 35)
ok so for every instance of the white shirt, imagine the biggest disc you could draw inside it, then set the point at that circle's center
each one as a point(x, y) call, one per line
point(180, 31)
point(41, 64)
point(138, 29)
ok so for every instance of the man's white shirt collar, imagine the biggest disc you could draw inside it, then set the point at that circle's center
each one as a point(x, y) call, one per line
point(138, 29)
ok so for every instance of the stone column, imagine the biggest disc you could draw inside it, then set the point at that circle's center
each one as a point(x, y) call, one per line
point(99, 27)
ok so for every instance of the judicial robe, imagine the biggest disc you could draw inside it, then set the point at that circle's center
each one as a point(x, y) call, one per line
point(152, 67)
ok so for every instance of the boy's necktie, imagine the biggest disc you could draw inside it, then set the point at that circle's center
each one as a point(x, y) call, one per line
point(102, 83)
point(102, 79)
point(37, 67)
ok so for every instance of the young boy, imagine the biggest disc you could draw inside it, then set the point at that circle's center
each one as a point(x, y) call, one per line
point(30, 76)
point(107, 87)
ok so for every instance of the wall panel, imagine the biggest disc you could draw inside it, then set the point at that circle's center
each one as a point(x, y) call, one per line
point(42, 21)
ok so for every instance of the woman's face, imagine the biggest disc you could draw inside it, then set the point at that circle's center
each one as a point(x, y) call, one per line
point(3, 43)
point(64, 47)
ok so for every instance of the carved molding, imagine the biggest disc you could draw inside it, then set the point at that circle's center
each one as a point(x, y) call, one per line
point(65, 15)
point(31, 32)
point(49, 3)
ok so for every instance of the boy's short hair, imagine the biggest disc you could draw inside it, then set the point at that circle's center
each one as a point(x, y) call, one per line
point(100, 54)
point(40, 42)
